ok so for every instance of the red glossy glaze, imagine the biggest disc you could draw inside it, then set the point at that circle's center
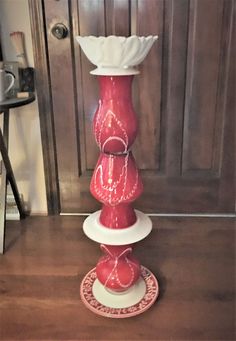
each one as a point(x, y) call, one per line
point(116, 181)
point(115, 123)
point(118, 217)
point(117, 270)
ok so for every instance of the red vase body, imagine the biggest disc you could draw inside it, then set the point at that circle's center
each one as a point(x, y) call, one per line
point(116, 181)
point(115, 123)
point(118, 270)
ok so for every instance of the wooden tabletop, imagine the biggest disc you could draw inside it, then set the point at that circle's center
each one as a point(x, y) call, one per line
point(16, 102)
point(47, 257)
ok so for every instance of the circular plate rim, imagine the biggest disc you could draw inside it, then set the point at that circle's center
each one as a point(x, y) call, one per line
point(145, 273)
point(97, 232)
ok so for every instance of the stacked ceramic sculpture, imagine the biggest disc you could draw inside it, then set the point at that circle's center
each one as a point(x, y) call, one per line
point(118, 286)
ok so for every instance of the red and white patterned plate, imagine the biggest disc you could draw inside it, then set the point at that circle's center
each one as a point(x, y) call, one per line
point(88, 298)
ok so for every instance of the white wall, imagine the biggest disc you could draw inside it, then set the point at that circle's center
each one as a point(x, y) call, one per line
point(25, 147)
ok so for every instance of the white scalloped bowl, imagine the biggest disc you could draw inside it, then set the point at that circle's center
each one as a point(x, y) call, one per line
point(115, 55)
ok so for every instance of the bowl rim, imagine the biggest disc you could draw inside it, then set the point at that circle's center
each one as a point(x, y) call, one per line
point(154, 37)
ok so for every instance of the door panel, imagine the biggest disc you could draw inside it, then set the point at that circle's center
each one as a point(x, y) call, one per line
point(204, 85)
point(184, 148)
point(148, 86)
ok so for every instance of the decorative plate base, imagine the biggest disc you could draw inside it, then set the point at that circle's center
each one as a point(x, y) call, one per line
point(129, 235)
point(133, 302)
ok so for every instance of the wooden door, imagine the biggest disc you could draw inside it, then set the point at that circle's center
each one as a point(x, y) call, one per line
point(184, 99)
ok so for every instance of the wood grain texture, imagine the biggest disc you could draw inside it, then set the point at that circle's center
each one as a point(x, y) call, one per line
point(90, 21)
point(62, 81)
point(205, 82)
point(47, 257)
point(147, 87)
point(117, 16)
point(42, 83)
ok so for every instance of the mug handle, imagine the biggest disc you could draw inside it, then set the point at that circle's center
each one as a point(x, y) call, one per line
point(11, 83)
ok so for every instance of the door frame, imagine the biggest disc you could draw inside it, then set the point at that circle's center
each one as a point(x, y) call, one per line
point(42, 81)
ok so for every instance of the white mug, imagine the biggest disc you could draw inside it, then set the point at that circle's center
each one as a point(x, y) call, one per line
point(3, 78)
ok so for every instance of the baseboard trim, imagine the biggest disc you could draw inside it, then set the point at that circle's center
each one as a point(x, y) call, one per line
point(37, 214)
point(207, 215)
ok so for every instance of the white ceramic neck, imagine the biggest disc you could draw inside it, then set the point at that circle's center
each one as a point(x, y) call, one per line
point(113, 71)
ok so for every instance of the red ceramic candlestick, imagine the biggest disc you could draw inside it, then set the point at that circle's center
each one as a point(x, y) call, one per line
point(116, 183)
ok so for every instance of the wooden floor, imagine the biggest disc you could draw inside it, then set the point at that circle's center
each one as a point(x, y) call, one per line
point(47, 257)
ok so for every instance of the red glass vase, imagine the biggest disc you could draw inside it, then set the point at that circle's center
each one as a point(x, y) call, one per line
point(118, 270)
point(115, 123)
point(116, 183)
